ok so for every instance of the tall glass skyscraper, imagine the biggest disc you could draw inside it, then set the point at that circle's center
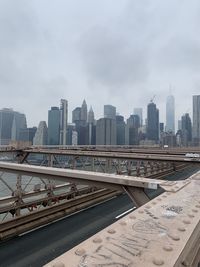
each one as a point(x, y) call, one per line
point(63, 121)
point(170, 114)
point(152, 122)
point(196, 120)
point(54, 126)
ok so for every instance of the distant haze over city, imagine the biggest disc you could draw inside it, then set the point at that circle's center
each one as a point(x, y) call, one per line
point(107, 52)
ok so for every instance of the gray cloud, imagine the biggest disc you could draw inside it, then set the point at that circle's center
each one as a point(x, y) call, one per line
point(118, 52)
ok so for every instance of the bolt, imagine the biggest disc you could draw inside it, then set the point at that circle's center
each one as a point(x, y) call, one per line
point(97, 240)
point(158, 262)
point(80, 252)
point(111, 231)
point(175, 237)
point(168, 248)
point(181, 229)
point(194, 210)
point(186, 222)
point(123, 223)
point(191, 215)
point(140, 211)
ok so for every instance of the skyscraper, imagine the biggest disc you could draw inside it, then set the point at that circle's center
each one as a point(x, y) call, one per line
point(76, 114)
point(63, 121)
point(19, 122)
point(109, 112)
point(91, 116)
point(132, 126)
point(152, 122)
point(84, 111)
point(106, 132)
point(120, 130)
point(186, 129)
point(196, 120)
point(53, 126)
point(40, 137)
point(138, 111)
point(170, 114)
point(11, 122)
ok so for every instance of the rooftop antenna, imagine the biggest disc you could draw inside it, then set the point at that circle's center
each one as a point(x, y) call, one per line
point(152, 99)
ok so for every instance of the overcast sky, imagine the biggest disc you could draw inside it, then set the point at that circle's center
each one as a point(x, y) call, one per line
point(119, 52)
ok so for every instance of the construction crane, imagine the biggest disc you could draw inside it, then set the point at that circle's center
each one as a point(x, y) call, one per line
point(152, 99)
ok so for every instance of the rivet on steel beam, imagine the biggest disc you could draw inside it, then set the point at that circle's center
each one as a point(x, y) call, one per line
point(181, 229)
point(174, 237)
point(140, 211)
point(158, 262)
point(123, 223)
point(186, 222)
point(148, 207)
point(164, 196)
point(197, 206)
point(159, 199)
point(191, 215)
point(58, 264)
point(97, 240)
point(80, 252)
point(194, 210)
point(132, 217)
point(111, 231)
point(167, 248)
point(154, 203)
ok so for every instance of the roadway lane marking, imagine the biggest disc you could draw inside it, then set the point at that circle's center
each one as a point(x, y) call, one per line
point(122, 214)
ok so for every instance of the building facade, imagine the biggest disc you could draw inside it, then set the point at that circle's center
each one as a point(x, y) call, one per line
point(170, 114)
point(196, 120)
point(152, 122)
point(54, 126)
point(106, 131)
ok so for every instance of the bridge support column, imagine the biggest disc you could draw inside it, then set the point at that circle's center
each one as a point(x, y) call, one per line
point(137, 195)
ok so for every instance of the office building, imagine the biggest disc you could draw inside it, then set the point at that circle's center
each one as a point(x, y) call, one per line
point(170, 114)
point(41, 135)
point(11, 122)
point(54, 126)
point(19, 122)
point(138, 111)
point(76, 114)
point(196, 120)
point(186, 130)
point(106, 131)
point(27, 135)
point(63, 121)
point(120, 130)
point(110, 112)
point(84, 111)
point(132, 130)
point(91, 116)
point(152, 122)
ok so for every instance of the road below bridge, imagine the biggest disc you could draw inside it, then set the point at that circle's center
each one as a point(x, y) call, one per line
point(42, 245)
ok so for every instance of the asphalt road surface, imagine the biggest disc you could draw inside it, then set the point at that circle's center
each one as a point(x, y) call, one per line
point(42, 245)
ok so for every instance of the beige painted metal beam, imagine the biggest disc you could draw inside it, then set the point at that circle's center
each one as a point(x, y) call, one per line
point(164, 232)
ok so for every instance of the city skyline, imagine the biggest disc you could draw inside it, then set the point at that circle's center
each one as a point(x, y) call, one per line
point(108, 52)
point(162, 115)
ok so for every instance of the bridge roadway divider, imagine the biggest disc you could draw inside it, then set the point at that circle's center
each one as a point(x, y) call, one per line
point(34, 219)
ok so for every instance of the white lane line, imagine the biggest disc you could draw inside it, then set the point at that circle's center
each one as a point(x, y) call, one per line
point(122, 214)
